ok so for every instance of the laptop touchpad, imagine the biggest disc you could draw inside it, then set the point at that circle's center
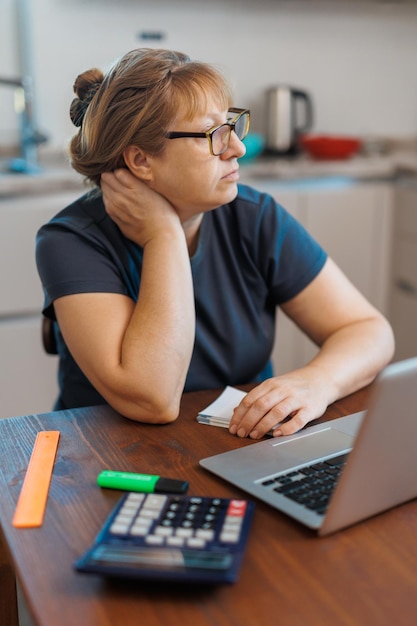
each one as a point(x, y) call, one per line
point(312, 446)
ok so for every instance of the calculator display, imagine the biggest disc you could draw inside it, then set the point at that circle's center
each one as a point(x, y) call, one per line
point(132, 556)
point(159, 558)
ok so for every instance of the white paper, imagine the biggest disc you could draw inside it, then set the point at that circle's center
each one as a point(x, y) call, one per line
point(219, 412)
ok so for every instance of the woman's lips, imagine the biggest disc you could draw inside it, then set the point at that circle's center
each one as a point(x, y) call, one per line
point(233, 175)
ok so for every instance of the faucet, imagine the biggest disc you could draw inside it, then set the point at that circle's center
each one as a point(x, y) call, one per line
point(30, 137)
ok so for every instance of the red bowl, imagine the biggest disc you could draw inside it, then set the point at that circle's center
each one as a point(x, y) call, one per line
point(330, 147)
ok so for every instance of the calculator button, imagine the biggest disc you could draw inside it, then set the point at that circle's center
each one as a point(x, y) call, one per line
point(163, 531)
point(149, 513)
point(119, 528)
point(139, 531)
point(229, 536)
point(207, 525)
point(187, 523)
point(154, 540)
point(154, 501)
point(129, 509)
point(175, 541)
point(232, 522)
point(135, 497)
point(231, 527)
point(184, 532)
point(141, 527)
point(195, 542)
point(208, 534)
point(122, 518)
point(236, 508)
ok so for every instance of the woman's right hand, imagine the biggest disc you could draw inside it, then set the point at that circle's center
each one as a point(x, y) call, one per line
point(140, 212)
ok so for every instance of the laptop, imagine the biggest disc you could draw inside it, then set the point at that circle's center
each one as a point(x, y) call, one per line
point(370, 457)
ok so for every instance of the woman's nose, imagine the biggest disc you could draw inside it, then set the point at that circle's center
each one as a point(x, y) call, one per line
point(235, 148)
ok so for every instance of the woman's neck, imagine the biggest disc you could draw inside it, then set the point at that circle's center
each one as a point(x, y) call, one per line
point(192, 229)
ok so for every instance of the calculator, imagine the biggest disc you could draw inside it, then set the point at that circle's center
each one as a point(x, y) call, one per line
point(171, 538)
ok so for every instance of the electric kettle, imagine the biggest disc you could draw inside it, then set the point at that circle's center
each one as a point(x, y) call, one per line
point(289, 114)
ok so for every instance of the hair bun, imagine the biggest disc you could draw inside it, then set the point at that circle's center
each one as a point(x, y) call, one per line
point(85, 87)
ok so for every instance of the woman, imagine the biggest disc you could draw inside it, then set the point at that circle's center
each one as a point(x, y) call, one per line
point(167, 277)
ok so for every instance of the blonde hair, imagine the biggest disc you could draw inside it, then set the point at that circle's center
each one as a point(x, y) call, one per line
point(135, 103)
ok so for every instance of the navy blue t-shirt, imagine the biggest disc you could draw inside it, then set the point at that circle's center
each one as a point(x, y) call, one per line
point(251, 256)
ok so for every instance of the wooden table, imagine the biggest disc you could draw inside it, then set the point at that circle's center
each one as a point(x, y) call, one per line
point(365, 575)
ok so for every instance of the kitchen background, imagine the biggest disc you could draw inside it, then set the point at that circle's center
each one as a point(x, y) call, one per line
point(357, 60)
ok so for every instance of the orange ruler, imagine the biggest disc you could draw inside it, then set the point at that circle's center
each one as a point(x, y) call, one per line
point(30, 508)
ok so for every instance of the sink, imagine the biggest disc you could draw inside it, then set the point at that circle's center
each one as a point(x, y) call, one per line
point(17, 165)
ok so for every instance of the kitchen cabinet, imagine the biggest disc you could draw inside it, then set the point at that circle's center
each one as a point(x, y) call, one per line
point(352, 220)
point(27, 374)
point(403, 307)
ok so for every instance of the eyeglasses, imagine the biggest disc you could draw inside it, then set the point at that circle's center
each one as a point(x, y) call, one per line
point(219, 136)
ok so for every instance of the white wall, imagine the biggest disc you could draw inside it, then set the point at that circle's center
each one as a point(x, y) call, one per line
point(357, 59)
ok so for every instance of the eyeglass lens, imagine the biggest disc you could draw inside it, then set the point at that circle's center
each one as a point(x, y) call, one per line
point(221, 137)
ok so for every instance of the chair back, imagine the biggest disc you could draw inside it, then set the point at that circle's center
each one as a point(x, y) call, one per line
point(48, 336)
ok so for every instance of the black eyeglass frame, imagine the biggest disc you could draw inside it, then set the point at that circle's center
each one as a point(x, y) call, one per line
point(208, 134)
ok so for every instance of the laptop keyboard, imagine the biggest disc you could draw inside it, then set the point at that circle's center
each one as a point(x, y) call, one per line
point(312, 485)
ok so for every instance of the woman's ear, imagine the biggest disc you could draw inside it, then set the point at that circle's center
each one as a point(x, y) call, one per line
point(137, 162)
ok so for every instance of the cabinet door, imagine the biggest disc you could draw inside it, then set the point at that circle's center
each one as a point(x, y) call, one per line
point(28, 376)
point(403, 312)
point(404, 323)
point(20, 219)
point(354, 225)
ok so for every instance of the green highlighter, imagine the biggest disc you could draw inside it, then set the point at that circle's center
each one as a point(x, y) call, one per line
point(145, 483)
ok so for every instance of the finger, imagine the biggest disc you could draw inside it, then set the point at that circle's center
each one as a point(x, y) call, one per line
point(120, 180)
point(241, 411)
point(256, 418)
point(292, 425)
point(270, 423)
point(109, 182)
point(126, 178)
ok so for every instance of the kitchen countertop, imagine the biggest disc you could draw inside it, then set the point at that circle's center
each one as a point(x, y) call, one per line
point(57, 175)
point(360, 167)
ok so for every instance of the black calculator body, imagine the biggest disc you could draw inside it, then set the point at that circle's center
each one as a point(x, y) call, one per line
point(171, 538)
